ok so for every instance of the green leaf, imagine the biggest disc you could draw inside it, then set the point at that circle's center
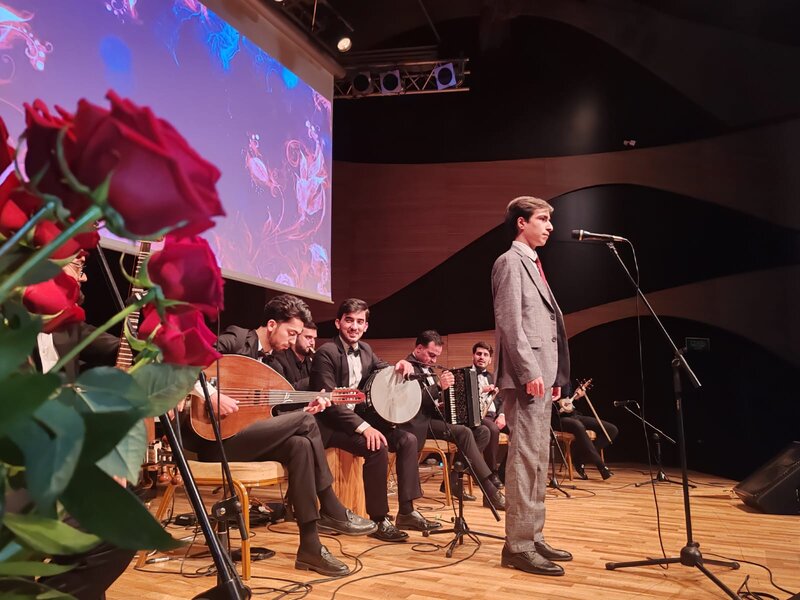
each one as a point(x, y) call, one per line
point(23, 394)
point(104, 431)
point(17, 337)
point(51, 443)
point(107, 389)
point(3, 474)
point(24, 589)
point(50, 536)
point(113, 513)
point(165, 385)
point(126, 459)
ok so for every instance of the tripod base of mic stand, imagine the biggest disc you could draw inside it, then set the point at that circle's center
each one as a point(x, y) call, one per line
point(661, 477)
point(553, 484)
point(461, 529)
point(690, 557)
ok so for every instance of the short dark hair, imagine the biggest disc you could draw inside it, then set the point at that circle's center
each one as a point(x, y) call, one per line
point(352, 305)
point(485, 345)
point(428, 336)
point(523, 206)
point(285, 307)
point(310, 325)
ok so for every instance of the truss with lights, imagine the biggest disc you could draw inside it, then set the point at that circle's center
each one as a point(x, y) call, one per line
point(413, 77)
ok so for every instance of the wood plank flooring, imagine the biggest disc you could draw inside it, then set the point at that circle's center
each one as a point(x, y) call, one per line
point(603, 521)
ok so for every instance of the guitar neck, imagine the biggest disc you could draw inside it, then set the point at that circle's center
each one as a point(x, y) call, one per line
point(125, 353)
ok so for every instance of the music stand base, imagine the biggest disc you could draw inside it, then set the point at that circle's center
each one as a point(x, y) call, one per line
point(661, 477)
point(690, 557)
point(553, 484)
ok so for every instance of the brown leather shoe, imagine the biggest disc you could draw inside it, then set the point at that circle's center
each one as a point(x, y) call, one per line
point(498, 499)
point(551, 553)
point(530, 562)
point(323, 563)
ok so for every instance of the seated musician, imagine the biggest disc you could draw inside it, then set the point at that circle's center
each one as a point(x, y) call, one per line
point(347, 361)
point(470, 443)
point(291, 438)
point(99, 567)
point(296, 360)
point(568, 418)
point(491, 406)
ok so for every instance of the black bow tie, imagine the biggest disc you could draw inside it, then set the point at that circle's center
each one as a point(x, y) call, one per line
point(354, 351)
point(265, 357)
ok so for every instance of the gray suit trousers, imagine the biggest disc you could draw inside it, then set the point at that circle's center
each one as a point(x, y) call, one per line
point(526, 468)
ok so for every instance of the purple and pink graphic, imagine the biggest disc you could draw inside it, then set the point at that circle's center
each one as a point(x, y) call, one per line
point(267, 130)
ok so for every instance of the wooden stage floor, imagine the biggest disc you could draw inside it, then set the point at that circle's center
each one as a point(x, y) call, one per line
point(603, 521)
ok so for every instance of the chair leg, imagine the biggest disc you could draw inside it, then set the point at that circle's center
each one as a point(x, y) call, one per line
point(568, 454)
point(446, 478)
point(244, 498)
point(169, 491)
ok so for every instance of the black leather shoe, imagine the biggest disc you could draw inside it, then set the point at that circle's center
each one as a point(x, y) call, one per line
point(605, 472)
point(498, 500)
point(467, 496)
point(387, 532)
point(551, 553)
point(352, 525)
point(415, 521)
point(495, 480)
point(580, 472)
point(323, 563)
point(530, 562)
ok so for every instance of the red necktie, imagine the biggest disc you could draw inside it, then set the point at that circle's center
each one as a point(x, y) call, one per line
point(541, 271)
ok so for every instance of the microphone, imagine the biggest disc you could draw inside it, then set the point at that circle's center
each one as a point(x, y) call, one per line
point(619, 403)
point(419, 376)
point(583, 235)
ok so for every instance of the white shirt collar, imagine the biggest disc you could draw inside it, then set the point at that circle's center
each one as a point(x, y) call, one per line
point(526, 250)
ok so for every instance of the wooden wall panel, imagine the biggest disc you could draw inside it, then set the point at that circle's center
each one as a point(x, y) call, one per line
point(394, 223)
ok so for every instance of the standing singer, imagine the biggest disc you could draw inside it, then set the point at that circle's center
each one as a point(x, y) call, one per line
point(532, 365)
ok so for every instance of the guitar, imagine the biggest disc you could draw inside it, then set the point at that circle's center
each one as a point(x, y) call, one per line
point(258, 389)
point(567, 405)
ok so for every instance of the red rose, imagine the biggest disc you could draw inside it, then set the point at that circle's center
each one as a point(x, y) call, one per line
point(187, 270)
point(51, 297)
point(12, 218)
point(67, 317)
point(42, 132)
point(183, 337)
point(46, 231)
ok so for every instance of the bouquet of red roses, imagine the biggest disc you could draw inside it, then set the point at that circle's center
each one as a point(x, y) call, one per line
point(62, 442)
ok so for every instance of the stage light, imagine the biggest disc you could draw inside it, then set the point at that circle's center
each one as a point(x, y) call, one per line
point(362, 83)
point(445, 76)
point(344, 44)
point(390, 82)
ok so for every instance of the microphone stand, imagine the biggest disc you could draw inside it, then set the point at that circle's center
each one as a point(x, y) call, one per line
point(460, 527)
point(229, 584)
point(661, 476)
point(690, 555)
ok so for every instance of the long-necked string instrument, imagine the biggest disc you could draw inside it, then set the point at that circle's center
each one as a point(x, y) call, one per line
point(257, 389)
point(599, 421)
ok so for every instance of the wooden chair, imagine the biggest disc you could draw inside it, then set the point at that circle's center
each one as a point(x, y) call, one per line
point(446, 452)
point(246, 475)
point(566, 439)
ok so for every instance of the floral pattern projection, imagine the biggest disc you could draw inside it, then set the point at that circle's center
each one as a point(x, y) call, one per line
point(268, 131)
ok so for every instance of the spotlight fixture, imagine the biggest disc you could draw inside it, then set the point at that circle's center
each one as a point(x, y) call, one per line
point(362, 83)
point(391, 82)
point(445, 76)
point(344, 44)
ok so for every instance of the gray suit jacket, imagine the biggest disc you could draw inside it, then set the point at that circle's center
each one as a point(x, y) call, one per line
point(530, 336)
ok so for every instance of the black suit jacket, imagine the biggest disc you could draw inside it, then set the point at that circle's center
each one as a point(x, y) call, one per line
point(101, 352)
point(238, 340)
point(329, 370)
point(298, 374)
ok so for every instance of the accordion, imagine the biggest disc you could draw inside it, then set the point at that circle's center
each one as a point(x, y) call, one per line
point(462, 399)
